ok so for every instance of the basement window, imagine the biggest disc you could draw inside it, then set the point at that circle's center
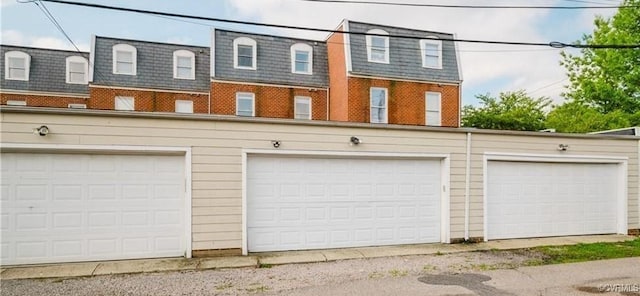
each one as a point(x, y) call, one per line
point(125, 104)
point(302, 108)
point(245, 104)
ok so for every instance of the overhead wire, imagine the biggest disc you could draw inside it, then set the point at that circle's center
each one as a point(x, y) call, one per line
point(58, 26)
point(554, 44)
point(408, 4)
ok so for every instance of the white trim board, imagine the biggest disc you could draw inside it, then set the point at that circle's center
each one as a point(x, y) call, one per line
point(622, 198)
point(121, 149)
point(445, 200)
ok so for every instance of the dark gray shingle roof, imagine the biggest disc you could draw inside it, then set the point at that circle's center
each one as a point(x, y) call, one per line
point(154, 66)
point(405, 60)
point(47, 71)
point(273, 60)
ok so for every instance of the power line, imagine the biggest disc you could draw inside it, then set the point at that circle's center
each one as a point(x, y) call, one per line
point(554, 44)
point(58, 26)
point(469, 6)
point(347, 43)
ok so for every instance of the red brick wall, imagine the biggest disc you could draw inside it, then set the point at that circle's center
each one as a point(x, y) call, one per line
point(338, 86)
point(145, 100)
point(270, 101)
point(406, 101)
point(42, 101)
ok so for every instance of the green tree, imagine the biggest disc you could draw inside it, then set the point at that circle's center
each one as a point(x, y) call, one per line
point(578, 117)
point(608, 79)
point(510, 111)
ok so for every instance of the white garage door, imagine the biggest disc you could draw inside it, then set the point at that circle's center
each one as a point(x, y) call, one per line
point(75, 207)
point(531, 199)
point(296, 203)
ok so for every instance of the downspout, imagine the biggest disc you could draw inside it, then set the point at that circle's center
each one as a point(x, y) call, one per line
point(467, 184)
point(328, 104)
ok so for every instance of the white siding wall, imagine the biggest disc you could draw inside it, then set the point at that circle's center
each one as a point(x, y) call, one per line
point(217, 161)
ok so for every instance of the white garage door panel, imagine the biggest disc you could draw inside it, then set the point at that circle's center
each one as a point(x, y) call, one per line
point(528, 199)
point(74, 207)
point(296, 203)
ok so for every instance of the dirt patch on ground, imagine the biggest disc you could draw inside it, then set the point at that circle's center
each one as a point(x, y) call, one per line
point(272, 280)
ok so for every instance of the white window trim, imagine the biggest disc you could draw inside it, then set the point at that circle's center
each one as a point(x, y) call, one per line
point(253, 102)
point(248, 42)
point(118, 98)
point(426, 108)
point(77, 59)
point(301, 47)
point(386, 104)
point(178, 102)
point(295, 106)
point(77, 106)
point(134, 58)
point(386, 45)
point(18, 55)
point(16, 103)
point(423, 51)
point(184, 54)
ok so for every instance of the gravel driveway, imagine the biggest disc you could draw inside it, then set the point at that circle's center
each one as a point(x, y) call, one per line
point(267, 280)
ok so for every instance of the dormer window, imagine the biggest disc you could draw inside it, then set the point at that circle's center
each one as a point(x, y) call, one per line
point(184, 64)
point(301, 58)
point(378, 46)
point(124, 59)
point(16, 65)
point(77, 70)
point(244, 53)
point(431, 53)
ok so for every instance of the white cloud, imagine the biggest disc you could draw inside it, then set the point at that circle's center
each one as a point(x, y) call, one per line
point(5, 3)
point(522, 67)
point(14, 37)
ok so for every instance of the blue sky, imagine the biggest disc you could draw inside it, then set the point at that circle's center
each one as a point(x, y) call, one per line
point(486, 68)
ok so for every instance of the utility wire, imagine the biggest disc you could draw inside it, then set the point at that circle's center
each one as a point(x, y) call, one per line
point(58, 26)
point(554, 44)
point(469, 6)
point(347, 43)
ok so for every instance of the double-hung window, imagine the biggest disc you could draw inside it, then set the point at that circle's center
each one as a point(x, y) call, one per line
point(184, 64)
point(431, 53)
point(124, 59)
point(302, 108)
point(301, 58)
point(244, 53)
point(77, 70)
point(245, 104)
point(378, 46)
point(378, 111)
point(16, 65)
point(433, 108)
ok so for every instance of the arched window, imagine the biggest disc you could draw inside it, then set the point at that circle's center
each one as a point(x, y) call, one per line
point(124, 59)
point(184, 64)
point(244, 53)
point(77, 70)
point(301, 58)
point(378, 46)
point(431, 52)
point(16, 65)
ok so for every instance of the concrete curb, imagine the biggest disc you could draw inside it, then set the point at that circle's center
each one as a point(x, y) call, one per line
point(64, 270)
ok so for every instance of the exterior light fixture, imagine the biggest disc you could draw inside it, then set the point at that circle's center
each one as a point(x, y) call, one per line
point(276, 143)
point(43, 130)
point(355, 140)
point(563, 147)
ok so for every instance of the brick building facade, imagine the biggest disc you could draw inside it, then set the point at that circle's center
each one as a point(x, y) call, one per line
point(373, 74)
